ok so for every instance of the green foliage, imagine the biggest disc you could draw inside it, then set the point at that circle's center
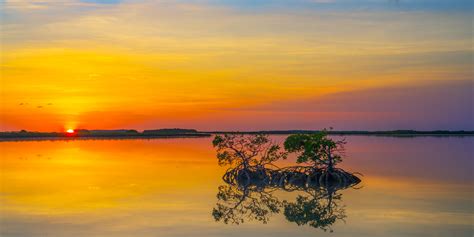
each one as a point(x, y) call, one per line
point(316, 148)
point(246, 150)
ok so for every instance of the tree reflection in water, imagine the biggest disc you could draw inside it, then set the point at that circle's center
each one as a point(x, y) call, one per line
point(318, 207)
point(237, 204)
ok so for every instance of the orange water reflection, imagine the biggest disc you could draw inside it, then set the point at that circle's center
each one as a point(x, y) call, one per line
point(167, 187)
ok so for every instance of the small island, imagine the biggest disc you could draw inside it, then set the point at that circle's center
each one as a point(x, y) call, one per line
point(253, 176)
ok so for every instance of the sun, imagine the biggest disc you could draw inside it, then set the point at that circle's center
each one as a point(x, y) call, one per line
point(70, 131)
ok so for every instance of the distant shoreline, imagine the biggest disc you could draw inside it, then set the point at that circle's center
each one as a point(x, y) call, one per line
point(191, 133)
point(392, 133)
point(16, 139)
point(101, 134)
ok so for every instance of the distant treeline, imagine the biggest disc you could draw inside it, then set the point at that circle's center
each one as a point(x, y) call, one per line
point(173, 132)
point(366, 133)
point(170, 131)
point(178, 132)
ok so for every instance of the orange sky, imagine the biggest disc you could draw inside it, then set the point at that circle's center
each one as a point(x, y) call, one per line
point(148, 64)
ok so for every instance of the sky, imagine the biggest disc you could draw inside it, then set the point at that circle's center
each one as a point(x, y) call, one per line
point(236, 64)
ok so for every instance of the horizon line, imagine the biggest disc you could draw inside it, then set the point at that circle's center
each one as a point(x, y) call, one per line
point(250, 131)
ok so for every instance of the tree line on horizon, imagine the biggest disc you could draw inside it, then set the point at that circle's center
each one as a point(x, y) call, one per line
point(106, 133)
point(194, 132)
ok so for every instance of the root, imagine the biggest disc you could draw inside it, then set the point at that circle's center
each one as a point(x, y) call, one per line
point(291, 178)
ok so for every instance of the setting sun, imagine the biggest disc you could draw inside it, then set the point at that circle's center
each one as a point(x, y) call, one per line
point(70, 131)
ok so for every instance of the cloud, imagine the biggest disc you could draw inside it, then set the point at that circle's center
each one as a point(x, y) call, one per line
point(102, 1)
point(202, 57)
point(428, 105)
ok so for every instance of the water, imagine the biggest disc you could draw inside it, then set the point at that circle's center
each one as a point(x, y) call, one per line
point(167, 187)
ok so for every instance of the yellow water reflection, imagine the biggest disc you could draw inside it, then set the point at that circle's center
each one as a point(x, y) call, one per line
point(82, 176)
point(167, 187)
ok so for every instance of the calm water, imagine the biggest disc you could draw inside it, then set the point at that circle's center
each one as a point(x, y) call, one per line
point(411, 187)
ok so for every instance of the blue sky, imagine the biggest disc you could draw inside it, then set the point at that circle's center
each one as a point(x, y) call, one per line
point(423, 5)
